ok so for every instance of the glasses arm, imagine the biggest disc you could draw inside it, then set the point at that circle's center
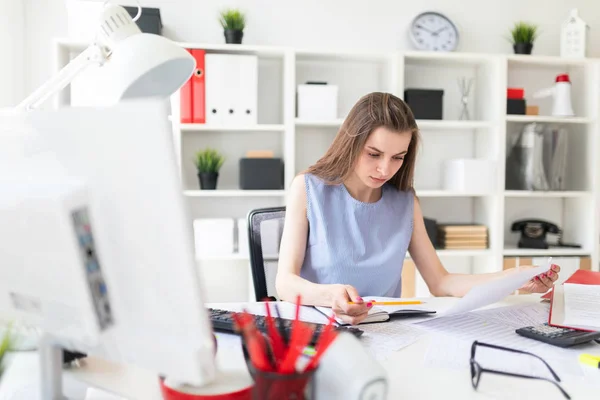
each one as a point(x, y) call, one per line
point(526, 377)
point(520, 352)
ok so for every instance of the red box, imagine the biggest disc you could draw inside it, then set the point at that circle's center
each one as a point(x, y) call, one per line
point(515, 93)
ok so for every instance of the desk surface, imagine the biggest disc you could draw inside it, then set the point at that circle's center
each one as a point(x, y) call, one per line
point(409, 376)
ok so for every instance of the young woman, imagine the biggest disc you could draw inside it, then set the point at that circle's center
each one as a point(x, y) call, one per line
point(351, 217)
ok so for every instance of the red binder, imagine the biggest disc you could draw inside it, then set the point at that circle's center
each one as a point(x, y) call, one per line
point(186, 100)
point(199, 88)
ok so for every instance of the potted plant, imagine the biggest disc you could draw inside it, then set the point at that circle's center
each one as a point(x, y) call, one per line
point(208, 163)
point(4, 348)
point(233, 22)
point(523, 35)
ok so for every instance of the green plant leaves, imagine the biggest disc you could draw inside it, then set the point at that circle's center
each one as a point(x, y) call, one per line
point(232, 19)
point(524, 32)
point(4, 346)
point(209, 160)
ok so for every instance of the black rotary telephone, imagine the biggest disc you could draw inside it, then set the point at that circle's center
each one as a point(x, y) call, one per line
point(533, 234)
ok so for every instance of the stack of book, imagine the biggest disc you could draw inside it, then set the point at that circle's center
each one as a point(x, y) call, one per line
point(462, 236)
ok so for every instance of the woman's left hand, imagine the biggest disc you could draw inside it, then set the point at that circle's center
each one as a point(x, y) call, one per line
point(541, 283)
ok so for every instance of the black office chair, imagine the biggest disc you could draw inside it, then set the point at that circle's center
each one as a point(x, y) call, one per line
point(265, 227)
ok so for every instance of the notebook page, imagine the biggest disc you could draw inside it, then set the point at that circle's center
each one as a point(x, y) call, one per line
point(374, 314)
point(582, 305)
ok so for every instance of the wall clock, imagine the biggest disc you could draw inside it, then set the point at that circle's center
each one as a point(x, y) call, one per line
point(433, 31)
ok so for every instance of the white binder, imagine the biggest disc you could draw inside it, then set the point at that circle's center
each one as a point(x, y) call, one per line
point(231, 89)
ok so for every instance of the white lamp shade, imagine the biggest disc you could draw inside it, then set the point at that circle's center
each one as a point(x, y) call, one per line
point(146, 65)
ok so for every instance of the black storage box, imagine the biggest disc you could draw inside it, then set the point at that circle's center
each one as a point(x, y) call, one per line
point(425, 103)
point(432, 231)
point(149, 21)
point(261, 173)
point(515, 106)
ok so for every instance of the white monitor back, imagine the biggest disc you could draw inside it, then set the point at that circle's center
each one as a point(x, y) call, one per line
point(108, 175)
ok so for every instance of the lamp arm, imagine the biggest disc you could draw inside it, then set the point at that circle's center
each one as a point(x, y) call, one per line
point(93, 54)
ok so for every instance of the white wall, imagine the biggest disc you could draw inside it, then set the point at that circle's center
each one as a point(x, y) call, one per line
point(12, 35)
point(343, 24)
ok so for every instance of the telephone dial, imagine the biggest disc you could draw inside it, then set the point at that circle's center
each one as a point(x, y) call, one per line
point(533, 234)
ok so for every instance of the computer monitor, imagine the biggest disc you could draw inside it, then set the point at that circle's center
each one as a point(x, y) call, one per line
point(96, 244)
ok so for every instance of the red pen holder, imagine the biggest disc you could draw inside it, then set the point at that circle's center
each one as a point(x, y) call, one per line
point(271, 385)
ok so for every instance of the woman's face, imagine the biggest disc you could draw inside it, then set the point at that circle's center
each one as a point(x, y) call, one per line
point(382, 156)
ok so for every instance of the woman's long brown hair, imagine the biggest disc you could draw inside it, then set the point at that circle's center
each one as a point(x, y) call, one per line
point(372, 111)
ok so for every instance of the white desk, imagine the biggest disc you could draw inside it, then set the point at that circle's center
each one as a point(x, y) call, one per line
point(408, 376)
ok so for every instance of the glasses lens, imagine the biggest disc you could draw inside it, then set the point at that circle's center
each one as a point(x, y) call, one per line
point(475, 374)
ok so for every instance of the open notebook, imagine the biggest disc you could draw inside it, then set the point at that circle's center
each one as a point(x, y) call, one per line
point(575, 306)
point(384, 313)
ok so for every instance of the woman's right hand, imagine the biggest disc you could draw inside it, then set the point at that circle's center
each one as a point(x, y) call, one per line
point(349, 313)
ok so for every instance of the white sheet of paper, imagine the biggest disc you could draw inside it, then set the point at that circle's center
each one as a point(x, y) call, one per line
point(582, 304)
point(450, 352)
point(517, 316)
point(494, 291)
point(484, 328)
point(383, 339)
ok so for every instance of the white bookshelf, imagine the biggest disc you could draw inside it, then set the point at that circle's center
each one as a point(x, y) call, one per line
point(301, 142)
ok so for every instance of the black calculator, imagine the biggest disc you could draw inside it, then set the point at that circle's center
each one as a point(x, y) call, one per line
point(561, 337)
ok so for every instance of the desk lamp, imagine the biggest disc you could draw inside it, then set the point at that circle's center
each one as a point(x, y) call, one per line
point(138, 64)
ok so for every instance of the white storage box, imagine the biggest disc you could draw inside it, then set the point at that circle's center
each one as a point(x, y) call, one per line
point(469, 176)
point(317, 102)
point(242, 237)
point(213, 236)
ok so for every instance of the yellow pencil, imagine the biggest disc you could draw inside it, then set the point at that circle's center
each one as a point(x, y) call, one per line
point(391, 303)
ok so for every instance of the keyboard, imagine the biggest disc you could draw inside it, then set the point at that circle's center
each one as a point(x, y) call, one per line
point(222, 321)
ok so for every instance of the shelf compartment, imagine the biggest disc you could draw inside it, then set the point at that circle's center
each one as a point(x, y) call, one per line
point(234, 193)
point(234, 146)
point(445, 59)
point(444, 71)
point(247, 128)
point(540, 193)
point(539, 73)
point(453, 124)
point(336, 123)
point(459, 253)
point(464, 253)
point(547, 119)
point(344, 56)
point(572, 215)
point(355, 74)
point(518, 60)
point(563, 251)
point(447, 193)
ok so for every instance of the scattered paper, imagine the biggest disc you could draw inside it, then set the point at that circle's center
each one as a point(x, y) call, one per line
point(385, 338)
point(472, 326)
point(517, 316)
point(453, 353)
point(494, 291)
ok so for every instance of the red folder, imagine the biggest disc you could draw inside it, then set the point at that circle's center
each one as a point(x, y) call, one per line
point(186, 100)
point(580, 276)
point(199, 88)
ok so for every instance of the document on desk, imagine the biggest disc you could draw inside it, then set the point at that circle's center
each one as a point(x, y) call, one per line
point(383, 339)
point(493, 291)
point(491, 325)
point(451, 352)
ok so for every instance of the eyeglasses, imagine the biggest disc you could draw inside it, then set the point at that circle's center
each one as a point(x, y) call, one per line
point(477, 370)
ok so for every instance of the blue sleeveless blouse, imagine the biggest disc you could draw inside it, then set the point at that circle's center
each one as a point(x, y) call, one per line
point(356, 243)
